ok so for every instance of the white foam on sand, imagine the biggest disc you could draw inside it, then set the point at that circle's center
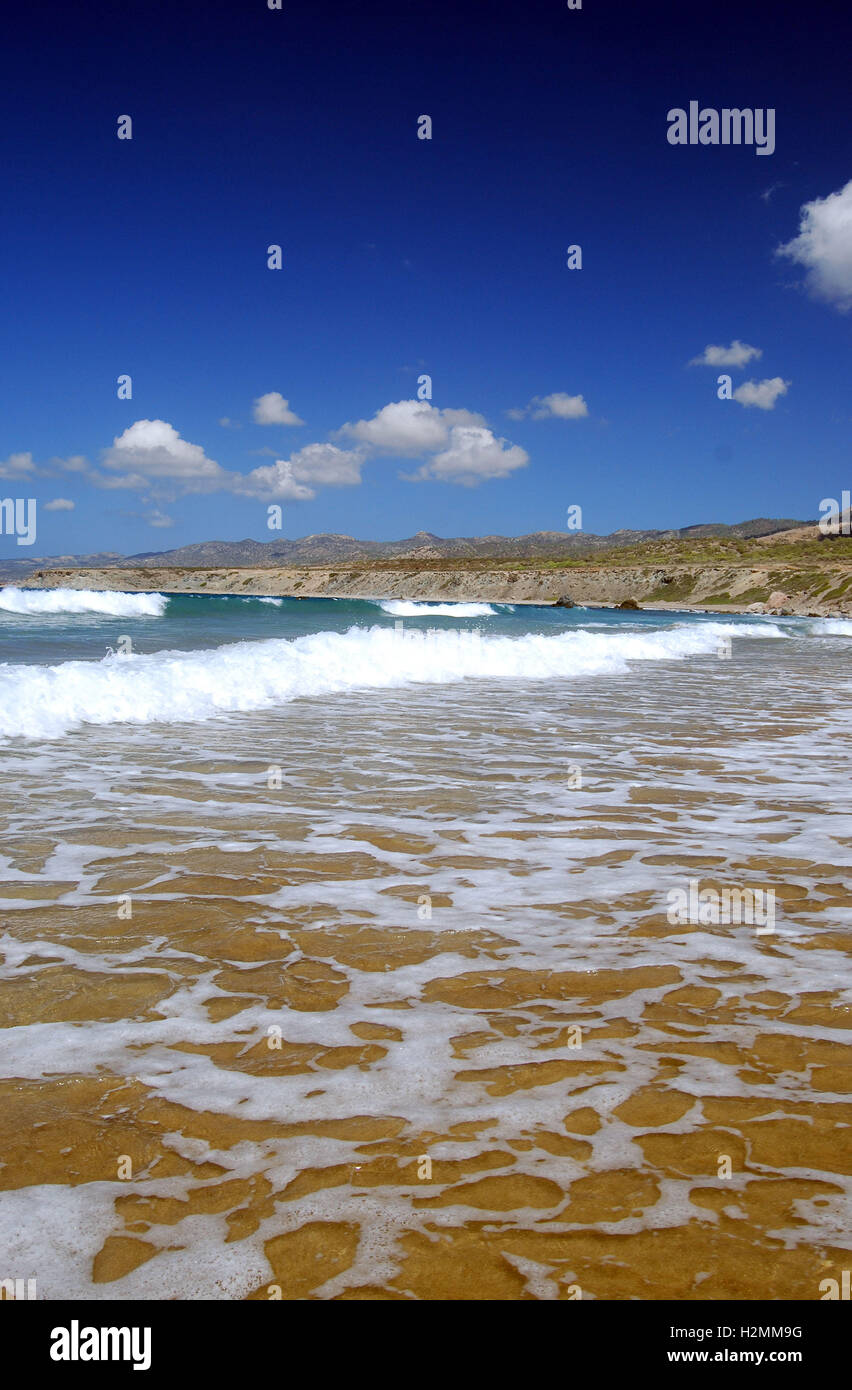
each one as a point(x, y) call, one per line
point(522, 877)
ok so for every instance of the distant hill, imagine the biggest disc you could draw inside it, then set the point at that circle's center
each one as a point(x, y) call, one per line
point(328, 549)
point(13, 568)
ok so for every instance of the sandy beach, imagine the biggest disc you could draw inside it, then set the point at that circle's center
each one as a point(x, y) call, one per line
point(295, 1005)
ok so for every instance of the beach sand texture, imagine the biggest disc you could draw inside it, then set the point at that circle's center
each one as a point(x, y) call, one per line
point(427, 944)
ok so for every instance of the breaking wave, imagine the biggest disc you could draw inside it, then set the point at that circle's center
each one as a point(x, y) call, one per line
point(404, 608)
point(832, 627)
point(175, 686)
point(38, 602)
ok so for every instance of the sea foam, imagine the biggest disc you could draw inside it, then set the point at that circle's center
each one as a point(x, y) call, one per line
point(38, 602)
point(178, 686)
point(404, 608)
point(832, 627)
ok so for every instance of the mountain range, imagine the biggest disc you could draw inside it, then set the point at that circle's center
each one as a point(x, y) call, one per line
point(328, 549)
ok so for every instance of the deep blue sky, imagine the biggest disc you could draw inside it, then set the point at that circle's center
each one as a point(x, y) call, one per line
point(403, 256)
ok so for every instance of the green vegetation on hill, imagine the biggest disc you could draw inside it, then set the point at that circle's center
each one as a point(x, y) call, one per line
point(706, 550)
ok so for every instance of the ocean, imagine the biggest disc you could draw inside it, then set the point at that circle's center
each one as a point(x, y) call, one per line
point(338, 954)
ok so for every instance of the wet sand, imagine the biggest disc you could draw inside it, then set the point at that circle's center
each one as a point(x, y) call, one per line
point(499, 1070)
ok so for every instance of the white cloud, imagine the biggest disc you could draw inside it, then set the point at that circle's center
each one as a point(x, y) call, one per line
point(409, 428)
point(824, 247)
point(18, 466)
point(763, 394)
point(296, 478)
point(228, 424)
point(463, 417)
point(153, 449)
point(557, 406)
point(151, 458)
point(135, 482)
point(734, 356)
point(23, 465)
point(276, 480)
point(462, 447)
point(59, 504)
point(272, 409)
point(472, 456)
point(327, 465)
point(154, 453)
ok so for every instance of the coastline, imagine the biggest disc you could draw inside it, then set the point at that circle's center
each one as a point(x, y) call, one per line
point(772, 589)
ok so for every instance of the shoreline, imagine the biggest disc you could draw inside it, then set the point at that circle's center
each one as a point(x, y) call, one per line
point(794, 591)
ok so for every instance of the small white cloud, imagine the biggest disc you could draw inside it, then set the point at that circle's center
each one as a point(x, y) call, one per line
point(275, 481)
point(77, 463)
point(327, 465)
point(59, 504)
point(296, 478)
point(18, 466)
point(272, 409)
point(407, 428)
point(23, 465)
point(557, 406)
point(228, 424)
point(763, 394)
point(473, 456)
point(734, 356)
point(159, 519)
point(135, 482)
point(824, 247)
